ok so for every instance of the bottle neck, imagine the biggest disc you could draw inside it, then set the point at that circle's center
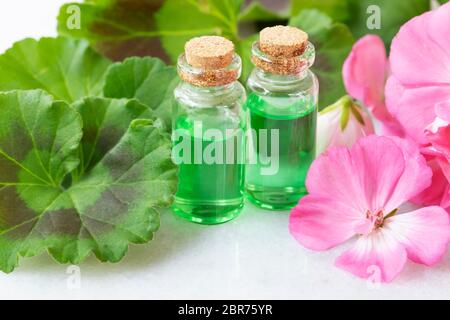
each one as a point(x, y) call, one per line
point(207, 97)
point(276, 82)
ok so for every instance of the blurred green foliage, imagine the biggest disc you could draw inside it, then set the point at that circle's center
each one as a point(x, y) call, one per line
point(122, 28)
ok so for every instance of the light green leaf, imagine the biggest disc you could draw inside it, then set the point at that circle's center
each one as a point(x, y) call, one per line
point(67, 69)
point(345, 117)
point(313, 21)
point(148, 80)
point(338, 10)
point(256, 11)
point(333, 42)
point(245, 47)
point(109, 207)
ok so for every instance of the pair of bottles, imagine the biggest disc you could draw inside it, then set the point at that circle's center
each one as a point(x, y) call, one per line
point(229, 146)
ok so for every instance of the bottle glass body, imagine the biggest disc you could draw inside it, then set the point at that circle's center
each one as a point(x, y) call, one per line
point(209, 147)
point(282, 115)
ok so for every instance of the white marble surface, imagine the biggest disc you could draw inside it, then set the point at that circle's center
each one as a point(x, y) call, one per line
point(253, 257)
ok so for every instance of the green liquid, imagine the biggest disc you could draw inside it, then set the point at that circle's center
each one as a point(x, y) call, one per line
point(295, 120)
point(211, 193)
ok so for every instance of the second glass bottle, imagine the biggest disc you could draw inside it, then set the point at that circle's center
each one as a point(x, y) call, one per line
point(282, 113)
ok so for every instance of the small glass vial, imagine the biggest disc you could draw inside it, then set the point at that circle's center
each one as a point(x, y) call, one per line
point(209, 132)
point(282, 113)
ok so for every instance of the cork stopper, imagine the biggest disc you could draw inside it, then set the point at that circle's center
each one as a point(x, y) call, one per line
point(283, 50)
point(209, 52)
point(283, 41)
point(209, 61)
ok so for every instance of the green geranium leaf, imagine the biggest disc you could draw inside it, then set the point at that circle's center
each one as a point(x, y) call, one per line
point(393, 15)
point(125, 28)
point(148, 80)
point(338, 10)
point(333, 42)
point(105, 121)
point(116, 28)
point(67, 69)
point(104, 210)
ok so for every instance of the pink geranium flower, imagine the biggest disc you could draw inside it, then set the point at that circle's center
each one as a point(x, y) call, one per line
point(356, 193)
point(419, 88)
point(418, 72)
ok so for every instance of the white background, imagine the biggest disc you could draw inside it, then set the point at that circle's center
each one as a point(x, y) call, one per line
point(253, 257)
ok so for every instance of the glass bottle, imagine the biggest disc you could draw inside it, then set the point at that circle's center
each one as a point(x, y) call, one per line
point(209, 132)
point(282, 113)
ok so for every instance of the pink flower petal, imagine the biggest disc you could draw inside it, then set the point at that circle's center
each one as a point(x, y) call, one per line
point(415, 58)
point(378, 173)
point(445, 167)
point(445, 203)
point(415, 110)
point(379, 252)
point(440, 140)
point(415, 178)
point(425, 233)
point(438, 31)
point(323, 223)
point(443, 110)
point(379, 165)
point(433, 195)
point(392, 128)
point(365, 74)
point(334, 175)
point(393, 91)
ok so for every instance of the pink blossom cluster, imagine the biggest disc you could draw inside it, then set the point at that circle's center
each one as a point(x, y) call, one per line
point(356, 192)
